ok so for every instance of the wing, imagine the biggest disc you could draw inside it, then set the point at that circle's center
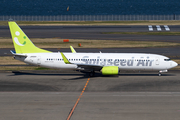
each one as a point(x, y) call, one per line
point(82, 66)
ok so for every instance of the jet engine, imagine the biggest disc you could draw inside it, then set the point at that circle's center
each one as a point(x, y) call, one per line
point(110, 70)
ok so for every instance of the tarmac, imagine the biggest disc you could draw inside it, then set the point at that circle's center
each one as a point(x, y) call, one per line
point(52, 95)
point(94, 32)
point(172, 52)
point(45, 95)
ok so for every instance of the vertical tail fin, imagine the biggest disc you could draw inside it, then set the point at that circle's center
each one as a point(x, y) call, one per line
point(21, 42)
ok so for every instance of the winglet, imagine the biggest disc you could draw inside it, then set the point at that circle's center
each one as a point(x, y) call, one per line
point(72, 49)
point(65, 59)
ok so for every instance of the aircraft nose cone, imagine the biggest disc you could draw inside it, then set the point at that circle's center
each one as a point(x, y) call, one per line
point(175, 64)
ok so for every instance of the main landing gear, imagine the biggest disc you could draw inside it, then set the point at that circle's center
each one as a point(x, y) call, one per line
point(91, 74)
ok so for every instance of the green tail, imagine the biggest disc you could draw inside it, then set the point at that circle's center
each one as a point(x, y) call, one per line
point(21, 42)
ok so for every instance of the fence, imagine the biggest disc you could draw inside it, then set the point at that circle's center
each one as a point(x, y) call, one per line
point(90, 18)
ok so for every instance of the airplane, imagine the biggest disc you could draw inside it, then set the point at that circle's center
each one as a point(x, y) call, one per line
point(106, 63)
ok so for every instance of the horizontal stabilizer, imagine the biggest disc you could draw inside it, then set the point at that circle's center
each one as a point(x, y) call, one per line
point(14, 53)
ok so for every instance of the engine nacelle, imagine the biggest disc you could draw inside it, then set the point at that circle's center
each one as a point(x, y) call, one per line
point(110, 70)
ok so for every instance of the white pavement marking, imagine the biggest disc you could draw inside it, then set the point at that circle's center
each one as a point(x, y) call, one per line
point(158, 28)
point(150, 27)
point(166, 28)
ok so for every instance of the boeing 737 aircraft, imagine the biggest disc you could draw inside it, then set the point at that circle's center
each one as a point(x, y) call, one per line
point(107, 63)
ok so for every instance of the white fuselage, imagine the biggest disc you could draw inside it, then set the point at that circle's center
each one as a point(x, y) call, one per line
point(124, 61)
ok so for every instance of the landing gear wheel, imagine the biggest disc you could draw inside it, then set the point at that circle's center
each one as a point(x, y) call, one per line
point(159, 74)
point(91, 74)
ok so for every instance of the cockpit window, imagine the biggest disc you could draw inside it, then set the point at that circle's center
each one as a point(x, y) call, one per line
point(167, 59)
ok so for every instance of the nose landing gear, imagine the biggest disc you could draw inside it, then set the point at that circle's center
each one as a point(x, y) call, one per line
point(161, 71)
point(159, 74)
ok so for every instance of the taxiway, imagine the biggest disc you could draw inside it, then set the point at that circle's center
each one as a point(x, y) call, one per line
point(51, 95)
point(93, 32)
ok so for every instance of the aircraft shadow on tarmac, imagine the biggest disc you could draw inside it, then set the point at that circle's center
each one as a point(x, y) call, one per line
point(50, 74)
point(82, 75)
point(86, 75)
